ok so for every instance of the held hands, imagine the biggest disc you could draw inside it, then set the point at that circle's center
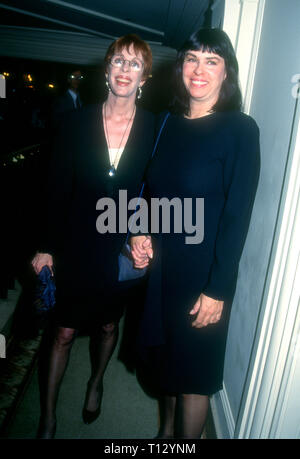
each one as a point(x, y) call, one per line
point(141, 251)
point(209, 311)
point(40, 260)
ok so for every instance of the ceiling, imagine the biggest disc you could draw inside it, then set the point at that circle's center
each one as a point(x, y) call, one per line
point(79, 31)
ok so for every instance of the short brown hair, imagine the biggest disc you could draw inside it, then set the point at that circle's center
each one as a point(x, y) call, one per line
point(139, 45)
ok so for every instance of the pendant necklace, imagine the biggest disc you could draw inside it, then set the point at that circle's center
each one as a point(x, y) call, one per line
point(112, 169)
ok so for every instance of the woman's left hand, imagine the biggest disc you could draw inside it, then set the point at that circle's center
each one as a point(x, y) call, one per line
point(209, 311)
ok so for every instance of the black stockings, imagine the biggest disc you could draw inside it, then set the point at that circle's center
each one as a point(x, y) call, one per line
point(101, 348)
point(50, 379)
point(183, 416)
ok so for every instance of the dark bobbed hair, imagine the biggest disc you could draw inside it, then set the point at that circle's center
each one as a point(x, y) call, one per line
point(215, 41)
point(139, 45)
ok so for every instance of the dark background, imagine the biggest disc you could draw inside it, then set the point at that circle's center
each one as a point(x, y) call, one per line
point(26, 111)
point(26, 136)
point(31, 44)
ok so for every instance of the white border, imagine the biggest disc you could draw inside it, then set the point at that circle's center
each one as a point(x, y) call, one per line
point(277, 336)
point(243, 24)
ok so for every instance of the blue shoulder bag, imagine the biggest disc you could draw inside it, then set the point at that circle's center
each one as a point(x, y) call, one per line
point(126, 269)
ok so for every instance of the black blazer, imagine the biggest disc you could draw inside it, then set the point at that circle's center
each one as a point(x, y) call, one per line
point(78, 178)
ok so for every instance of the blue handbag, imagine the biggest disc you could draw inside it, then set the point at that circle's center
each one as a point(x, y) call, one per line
point(44, 300)
point(127, 271)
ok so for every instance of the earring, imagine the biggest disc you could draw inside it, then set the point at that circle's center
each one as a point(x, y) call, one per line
point(139, 92)
point(108, 86)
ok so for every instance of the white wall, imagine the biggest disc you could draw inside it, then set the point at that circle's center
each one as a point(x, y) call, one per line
point(273, 107)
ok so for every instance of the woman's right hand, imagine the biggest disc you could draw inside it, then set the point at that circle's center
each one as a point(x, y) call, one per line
point(40, 260)
point(141, 251)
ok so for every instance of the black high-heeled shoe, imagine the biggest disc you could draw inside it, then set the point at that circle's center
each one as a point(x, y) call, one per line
point(89, 416)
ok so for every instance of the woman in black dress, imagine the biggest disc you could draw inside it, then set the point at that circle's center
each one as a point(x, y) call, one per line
point(209, 149)
point(100, 150)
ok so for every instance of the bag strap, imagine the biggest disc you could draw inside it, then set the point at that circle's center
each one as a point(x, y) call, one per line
point(160, 131)
point(154, 150)
point(153, 153)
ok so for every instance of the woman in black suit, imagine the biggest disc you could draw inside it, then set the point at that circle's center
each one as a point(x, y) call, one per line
point(209, 149)
point(100, 150)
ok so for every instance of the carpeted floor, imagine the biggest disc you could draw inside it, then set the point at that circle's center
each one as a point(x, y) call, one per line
point(128, 410)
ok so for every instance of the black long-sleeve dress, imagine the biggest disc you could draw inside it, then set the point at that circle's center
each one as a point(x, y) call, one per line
point(85, 261)
point(217, 158)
